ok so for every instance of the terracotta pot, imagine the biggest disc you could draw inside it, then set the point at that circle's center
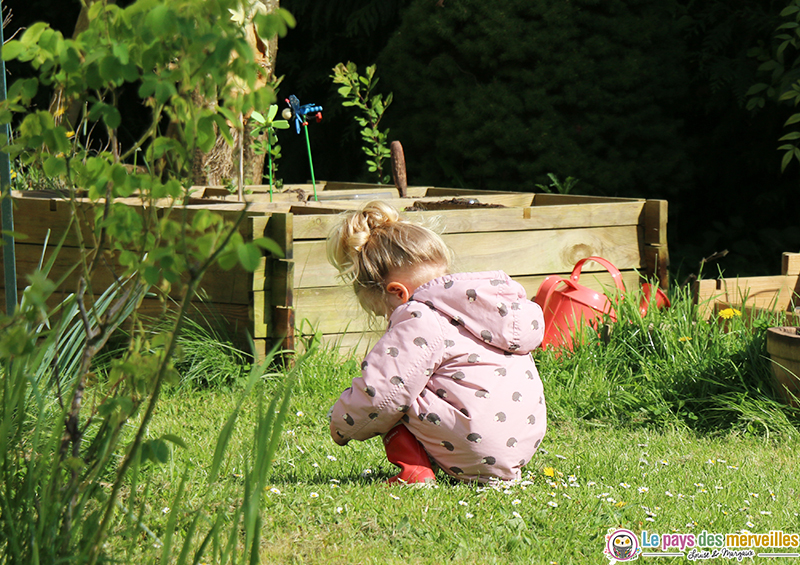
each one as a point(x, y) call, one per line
point(783, 346)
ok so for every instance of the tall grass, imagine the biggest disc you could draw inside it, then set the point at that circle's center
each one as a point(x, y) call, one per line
point(670, 367)
point(647, 431)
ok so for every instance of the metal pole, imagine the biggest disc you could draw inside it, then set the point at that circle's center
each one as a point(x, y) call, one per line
point(7, 208)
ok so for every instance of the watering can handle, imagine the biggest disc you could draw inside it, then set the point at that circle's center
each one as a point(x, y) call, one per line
point(546, 289)
point(615, 274)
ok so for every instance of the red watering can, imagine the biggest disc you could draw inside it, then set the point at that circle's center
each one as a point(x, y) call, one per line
point(566, 304)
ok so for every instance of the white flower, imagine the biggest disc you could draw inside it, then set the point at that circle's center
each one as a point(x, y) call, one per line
point(314, 495)
point(469, 515)
point(553, 503)
point(591, 484)
point(339, 510)
point(516, 514)
point(273, 490)
point(643, 490)
point(331, 458)
point(625, 485)
point(650, 519)
point(463, 502)
point(516, 501)
point(165, 510)
point(300, 414)
point(395, 497)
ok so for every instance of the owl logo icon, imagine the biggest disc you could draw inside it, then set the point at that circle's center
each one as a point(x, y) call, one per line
point(622, 545)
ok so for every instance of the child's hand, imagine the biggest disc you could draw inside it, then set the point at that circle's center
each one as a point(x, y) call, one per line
point(338, 438)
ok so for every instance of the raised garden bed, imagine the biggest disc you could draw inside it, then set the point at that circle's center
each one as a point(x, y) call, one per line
point(527, 235)
point(754, 295)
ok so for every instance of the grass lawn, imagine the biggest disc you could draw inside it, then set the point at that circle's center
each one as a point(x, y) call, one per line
point(669, 428)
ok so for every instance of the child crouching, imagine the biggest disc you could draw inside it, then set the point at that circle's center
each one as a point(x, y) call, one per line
point(452, 380)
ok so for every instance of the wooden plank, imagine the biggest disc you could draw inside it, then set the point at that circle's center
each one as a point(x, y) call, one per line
point(232, 286)
point(355, 344)
point(547, 199)
point(518, 253)
point(260, 314)
point(790, 264)
point(779, 292)
point(335, 309)
point(495, 219)
point(655, 222)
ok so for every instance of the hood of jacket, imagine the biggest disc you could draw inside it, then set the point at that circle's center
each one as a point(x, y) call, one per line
point(490, 305)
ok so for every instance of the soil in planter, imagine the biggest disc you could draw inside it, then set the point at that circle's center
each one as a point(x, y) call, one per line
point(451, 204)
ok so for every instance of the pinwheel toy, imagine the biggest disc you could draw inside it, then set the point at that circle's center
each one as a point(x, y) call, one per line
point(299, 112)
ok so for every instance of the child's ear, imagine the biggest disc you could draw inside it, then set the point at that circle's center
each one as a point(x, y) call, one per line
point(399, 290)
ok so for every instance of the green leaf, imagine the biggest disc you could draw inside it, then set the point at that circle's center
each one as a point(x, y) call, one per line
point(756, 88)
point(790, 136)
point(155, 450)
point(228, 260)
point(164, 90)
point(112, 117)
point(12, 49)
point(258, 117)
point(232, 118)
point(206, 135)
point(224, 128)
point(793, 119)
point(787, 158)
point(269, 245)
point(55, 166)
point(249, 256)
point(158, 19)
point(789, 10)
point(272, 112)
point(280, 124)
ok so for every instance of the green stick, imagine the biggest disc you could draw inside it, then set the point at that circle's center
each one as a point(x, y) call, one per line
point(310, 162)
point(269, 153)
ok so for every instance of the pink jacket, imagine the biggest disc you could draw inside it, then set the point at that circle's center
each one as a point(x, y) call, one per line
point(454, 365)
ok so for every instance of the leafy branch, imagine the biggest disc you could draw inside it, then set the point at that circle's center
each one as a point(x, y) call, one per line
point(357, 91)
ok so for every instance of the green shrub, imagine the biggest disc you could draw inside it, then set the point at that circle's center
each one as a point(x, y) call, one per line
point(498, 95)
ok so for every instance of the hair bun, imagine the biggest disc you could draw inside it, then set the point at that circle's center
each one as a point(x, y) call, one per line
point(373, 217)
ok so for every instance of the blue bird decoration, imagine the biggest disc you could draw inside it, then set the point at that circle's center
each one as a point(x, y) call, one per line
point(300, 112)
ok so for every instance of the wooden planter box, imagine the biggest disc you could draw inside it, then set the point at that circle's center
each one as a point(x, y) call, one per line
point(530, 237)
point(753, 296)
point(533, 236)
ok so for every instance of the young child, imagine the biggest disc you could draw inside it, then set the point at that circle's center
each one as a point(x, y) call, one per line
point(452, 380)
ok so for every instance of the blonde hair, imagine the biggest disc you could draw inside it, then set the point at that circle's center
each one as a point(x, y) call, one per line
point(369, 244)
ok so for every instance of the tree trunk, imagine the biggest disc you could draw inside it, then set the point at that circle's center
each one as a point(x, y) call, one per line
point(223, 164)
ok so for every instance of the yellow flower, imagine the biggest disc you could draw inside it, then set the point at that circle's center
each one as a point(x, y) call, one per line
point(70, 134)
point(620, 504)
point(729, 313)
point(549, 472)
point(685, 338)
point(59, 112)
point(13, 174)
